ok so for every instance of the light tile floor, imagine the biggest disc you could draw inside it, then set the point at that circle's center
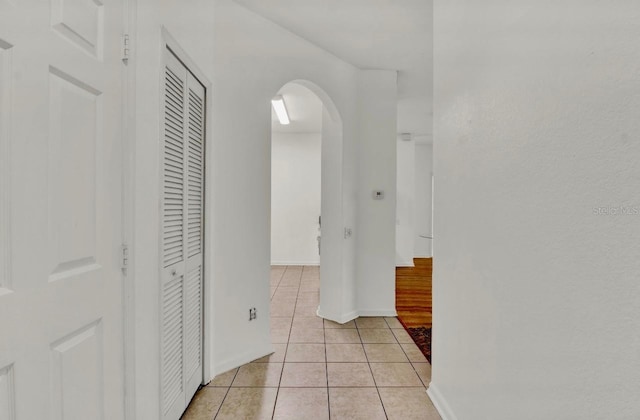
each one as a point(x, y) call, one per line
point(365, 369)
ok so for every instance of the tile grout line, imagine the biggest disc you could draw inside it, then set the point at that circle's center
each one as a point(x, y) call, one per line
point(326, 364)
point(371, 370)
point(407, 356)
point(277, 285)
point(284, 360)
point(226, 393)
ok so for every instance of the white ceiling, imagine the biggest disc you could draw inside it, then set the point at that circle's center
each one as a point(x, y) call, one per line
point(304, 109)
point(370, 34)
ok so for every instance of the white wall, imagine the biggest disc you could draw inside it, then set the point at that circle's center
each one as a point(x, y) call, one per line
point(295, 198)
point(241, 47)
point(405, 202)
point(375, 231)
point(253, 59)
point(423, 171)
point(535, 287)
point(248, 59)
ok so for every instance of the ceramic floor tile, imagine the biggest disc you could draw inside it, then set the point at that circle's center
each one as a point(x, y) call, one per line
point(349, 375)
point(345, 353)
point(371, 322)
point(258, 375)
point(395, 374)
point(308, 322)
point(283, 300)
point(279, 350)
point(355, 404)
point(205, 404)
point(309, 303)
point(248, 404)
point(224, 379)
point(305, 352)
point(393, 322)
point(413, 353)
point(342, 336)
point(281, 321)
point(290, 280)
point(333, 325)
point(276, 275)
point(308, 310)
point(385, 353)
point(310, 287)
point(299, 366)
point(424, 372)
point(303, 335)
point(280, 299)
point(308, 295)
point(408, 404)
point(304, 375)
point(282, 310)
point(377, 335)
point(287, 291)
point(293, 270)
point(280, 335)
point(402, 335)
point(302, 403)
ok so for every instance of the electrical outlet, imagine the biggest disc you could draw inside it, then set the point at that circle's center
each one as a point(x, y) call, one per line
point(252, 314)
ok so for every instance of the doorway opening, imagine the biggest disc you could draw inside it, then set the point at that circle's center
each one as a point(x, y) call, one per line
point(296, 155)
point(296, 150)
point(306, 203)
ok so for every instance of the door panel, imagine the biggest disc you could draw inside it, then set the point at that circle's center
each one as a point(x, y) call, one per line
point(173, 239)
point(194, 249)
point(60, 210)
point(182, 236)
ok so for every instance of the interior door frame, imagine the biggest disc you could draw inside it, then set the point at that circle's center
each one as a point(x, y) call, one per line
point(129, 212)
point(169, 42)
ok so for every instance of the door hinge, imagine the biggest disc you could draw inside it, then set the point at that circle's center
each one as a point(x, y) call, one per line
point(125, 48)
point(125, 257)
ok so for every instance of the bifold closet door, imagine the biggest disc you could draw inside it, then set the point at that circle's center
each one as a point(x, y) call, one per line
point(182, 237)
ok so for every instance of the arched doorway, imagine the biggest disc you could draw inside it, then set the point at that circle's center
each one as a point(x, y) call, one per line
point(314, 135)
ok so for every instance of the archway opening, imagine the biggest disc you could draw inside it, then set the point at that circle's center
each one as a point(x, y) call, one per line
point(306, 204)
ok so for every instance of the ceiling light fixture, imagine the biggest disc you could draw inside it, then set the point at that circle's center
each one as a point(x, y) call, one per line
point(281, 110)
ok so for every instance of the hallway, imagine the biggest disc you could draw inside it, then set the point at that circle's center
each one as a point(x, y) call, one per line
point(366, 369)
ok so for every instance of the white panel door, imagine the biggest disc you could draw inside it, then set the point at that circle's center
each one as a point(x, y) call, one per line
point(182, 237)
point(61, 346)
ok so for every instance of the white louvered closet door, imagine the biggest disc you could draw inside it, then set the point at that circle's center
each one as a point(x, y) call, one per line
point(182, 237)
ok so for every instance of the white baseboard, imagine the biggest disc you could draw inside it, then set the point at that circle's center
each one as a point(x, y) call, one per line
point(339, 318)
point(375, 312)
point(313, 263)
point(440, 403)
point(405, 264)
point(344, 318)
point(242, 359)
